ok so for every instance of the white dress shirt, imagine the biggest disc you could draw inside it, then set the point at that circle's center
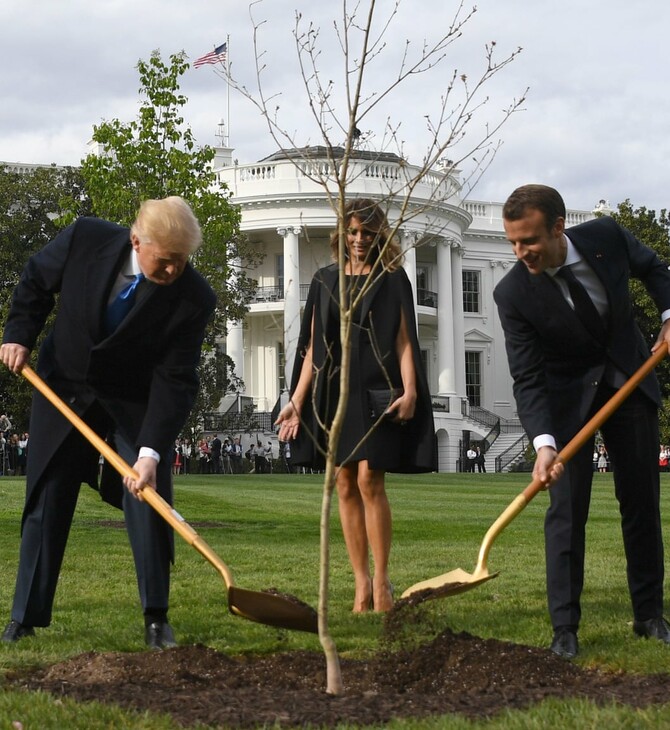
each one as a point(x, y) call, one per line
point(595, 289)
point(128, 272)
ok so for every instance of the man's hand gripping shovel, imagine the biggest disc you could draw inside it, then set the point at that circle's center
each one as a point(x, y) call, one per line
point(263, 607)
point(458, 581)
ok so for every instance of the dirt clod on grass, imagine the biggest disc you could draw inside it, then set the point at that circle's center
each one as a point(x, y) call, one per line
point(454, 673)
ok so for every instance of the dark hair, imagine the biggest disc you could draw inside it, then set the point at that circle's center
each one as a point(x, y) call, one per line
point(374, 219)
point(540, 197)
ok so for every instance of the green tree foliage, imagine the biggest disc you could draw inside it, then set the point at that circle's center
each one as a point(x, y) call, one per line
point(216, 379)
point(155, 156)
point(34, 206)
point(654, 231)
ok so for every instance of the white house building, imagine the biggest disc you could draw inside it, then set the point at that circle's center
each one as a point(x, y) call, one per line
point(455, 254)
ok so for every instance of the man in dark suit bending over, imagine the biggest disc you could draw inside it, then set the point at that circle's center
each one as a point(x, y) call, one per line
point(571, 342)
point(122, 353)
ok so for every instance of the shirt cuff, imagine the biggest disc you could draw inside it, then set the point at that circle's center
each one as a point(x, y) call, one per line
point(665, 314)
point(146, 451)
point(544, 439)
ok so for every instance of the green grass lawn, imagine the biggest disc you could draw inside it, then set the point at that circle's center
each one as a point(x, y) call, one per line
point(266, 529)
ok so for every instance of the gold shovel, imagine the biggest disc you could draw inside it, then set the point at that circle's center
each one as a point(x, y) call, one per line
point(458, 581)
point(268, 608)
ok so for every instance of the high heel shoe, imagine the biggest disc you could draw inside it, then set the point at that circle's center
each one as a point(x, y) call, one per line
point(364, 606)
point(377, 604)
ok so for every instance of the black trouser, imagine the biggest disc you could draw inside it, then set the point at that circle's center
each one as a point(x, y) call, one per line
point(631, 440)
point(47, 525)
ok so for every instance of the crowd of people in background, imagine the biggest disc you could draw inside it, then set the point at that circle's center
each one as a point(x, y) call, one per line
point(209, 455)
point(13, 449)
point(213, 455)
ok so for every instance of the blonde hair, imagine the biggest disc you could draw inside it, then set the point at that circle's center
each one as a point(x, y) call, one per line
point(169, 223)
point(374, 219)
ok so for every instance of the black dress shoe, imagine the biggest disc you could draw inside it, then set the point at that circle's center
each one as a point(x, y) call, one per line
point(159, 635)
point(565, 643)
point(653, 628)
point(15, 631)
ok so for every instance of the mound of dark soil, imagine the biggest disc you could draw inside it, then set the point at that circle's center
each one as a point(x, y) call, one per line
point(455, 673)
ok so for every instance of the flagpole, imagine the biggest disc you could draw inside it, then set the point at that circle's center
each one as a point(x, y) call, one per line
point(228, 91)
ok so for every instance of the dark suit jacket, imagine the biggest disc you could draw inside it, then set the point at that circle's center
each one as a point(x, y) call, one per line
point(554, 361)
point(144, 374)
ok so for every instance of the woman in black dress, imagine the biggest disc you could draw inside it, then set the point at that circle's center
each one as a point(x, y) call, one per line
point(385, 356)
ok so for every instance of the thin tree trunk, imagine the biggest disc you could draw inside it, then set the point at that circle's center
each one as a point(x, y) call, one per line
point(333, 672)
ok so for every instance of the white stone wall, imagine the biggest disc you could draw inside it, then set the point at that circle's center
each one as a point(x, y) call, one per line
point(286, 212)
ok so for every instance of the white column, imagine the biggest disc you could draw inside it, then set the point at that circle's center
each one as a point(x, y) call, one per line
point(501, 383)
point(446, 381)
point(409, 239)
point(459, 320)
point(235, 340)
point(291, 234)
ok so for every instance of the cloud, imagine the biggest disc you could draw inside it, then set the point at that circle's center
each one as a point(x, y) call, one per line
point(594, 122)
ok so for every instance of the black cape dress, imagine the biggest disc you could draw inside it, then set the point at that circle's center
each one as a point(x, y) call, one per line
point(388, 446)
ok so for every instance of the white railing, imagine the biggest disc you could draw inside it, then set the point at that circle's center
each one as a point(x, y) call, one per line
point(487, 213)
point(257, 172)
point(301, 175)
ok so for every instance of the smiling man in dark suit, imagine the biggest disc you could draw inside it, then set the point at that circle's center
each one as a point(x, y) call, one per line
point(131, 375)
point(571, 341)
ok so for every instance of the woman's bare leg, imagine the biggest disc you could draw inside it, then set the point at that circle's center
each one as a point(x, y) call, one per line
point(352, 517)
point(378, 525)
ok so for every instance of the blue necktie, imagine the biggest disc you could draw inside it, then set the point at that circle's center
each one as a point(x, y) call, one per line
point(122, 303)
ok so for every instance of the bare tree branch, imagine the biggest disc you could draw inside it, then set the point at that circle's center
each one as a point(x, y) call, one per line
point(364, 45)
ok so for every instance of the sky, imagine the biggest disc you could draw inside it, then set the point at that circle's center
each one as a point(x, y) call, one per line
point(594, 123)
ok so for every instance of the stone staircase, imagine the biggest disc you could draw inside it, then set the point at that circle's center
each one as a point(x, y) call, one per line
point(501, 445)
point(480, 422)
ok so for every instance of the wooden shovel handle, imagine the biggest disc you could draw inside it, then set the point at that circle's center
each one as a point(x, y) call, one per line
point(585, 433)
point(265, 608)
point(149, 495)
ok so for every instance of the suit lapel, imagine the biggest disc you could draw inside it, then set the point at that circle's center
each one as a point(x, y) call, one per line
point(558, 304)
point(152, 301)
point(548, 303)
point(155, 302)
point(100, 276)
point(595, 253)
point(545, 289)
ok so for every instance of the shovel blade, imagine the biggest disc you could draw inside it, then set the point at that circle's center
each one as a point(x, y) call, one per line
point(272, 609)
point(447, 584)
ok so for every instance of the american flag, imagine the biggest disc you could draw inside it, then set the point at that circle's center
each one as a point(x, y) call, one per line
point(218, 55)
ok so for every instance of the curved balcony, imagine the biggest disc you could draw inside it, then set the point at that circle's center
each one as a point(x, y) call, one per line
point(301, 174)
